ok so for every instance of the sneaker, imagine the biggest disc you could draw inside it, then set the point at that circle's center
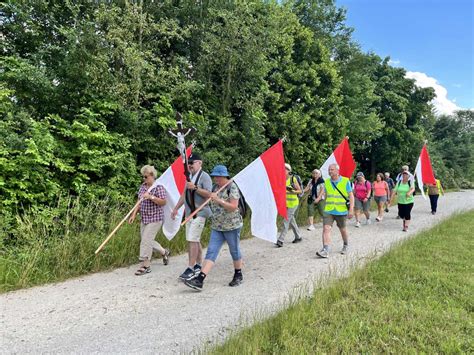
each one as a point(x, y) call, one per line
point(197, 269)
point(357, 224)
point(345, 249)
point(279, 244)
point(297, 240)
point(398, 217)
point(311, 228)
point(433, 213)
point(236, 281)
point(386, 209)
point(323, 253)
point(195, 284)
point(188, 274)
point(166, 256)
point(378, 219)
point(368, 222)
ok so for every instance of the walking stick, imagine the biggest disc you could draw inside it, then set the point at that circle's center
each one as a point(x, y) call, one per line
point(116, 228)
point(205, 203)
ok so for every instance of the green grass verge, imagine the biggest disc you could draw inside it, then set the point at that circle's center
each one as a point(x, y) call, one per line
point(417, 298)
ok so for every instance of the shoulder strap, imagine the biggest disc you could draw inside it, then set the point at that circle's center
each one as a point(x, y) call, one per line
point(339, 191)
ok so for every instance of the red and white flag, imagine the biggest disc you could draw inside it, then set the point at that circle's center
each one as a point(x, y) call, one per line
point(263, 184)
point(341, 156)
point(424, 170)
point(174, 181)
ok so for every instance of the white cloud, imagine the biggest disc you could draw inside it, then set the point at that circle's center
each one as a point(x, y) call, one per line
point(442, 104)
point(394, 62)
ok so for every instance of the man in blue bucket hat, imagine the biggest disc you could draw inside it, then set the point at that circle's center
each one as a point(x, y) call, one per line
point(226, 223)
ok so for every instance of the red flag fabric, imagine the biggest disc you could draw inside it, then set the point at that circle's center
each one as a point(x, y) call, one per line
point(341, 156)
point(263, 184)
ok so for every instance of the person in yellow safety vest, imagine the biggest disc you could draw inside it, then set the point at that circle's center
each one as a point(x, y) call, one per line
point(337, 192)
point(434, 191)
point(292, 203)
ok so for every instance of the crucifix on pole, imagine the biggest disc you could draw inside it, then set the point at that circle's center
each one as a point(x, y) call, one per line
point(180, 133)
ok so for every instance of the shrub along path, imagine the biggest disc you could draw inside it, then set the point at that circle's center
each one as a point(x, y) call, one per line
point(120, 312)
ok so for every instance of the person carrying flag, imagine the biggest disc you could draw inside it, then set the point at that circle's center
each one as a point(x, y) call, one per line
point(151, 212)
point(195, 193)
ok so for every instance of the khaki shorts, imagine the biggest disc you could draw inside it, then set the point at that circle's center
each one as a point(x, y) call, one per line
point(328, 220)
point(194, 229)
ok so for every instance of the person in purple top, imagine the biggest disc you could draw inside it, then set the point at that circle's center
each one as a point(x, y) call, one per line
point(151, 212)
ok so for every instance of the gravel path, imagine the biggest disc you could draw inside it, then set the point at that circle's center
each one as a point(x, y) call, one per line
point(117, 312)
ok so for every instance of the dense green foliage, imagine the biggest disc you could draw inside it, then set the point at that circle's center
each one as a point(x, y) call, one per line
point(417, 298)
point(88, 91)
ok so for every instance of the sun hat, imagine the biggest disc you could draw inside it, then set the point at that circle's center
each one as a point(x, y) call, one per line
point(288, 167)
point(220, 170)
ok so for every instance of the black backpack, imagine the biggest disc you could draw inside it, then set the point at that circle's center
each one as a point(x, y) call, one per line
point(300, 182)
point(242, 203)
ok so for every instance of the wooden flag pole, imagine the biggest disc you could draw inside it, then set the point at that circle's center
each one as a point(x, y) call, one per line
point(205, 203)
point(116, 228)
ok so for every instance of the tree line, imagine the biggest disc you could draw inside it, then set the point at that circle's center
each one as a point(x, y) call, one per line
point(89, 89)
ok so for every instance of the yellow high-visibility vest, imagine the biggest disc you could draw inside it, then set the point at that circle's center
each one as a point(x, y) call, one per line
point(334, 200)
point(291, 197)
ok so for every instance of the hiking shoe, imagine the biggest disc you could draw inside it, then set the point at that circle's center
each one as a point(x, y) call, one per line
point(357, 224)
point(345, 249)
point(195, 284)
point(323, 253)
point(237, 280)
point(368, 222)
point(279, 244)
point(297, 240)
point(188, 274)
point(311, 228)
point(166, 256)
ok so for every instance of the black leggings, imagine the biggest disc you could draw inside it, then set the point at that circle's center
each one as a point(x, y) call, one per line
point(404, 210)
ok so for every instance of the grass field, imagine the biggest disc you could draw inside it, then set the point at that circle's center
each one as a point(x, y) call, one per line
point(417, 298)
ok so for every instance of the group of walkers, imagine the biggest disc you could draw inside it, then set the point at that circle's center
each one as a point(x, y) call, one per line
point(336, 199)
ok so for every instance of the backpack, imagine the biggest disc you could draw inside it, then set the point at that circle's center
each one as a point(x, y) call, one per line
point(242, 203)
point(409, 184)
point(300, 182)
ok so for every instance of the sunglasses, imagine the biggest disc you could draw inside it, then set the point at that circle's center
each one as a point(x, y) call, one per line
point(191, 162)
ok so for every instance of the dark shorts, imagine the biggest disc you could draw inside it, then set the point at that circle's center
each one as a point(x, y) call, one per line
point(404, 210)
point(328, 220)
point(319, 206)
point(361, 205)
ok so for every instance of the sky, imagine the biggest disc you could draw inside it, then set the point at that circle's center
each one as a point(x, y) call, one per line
point(432, 39)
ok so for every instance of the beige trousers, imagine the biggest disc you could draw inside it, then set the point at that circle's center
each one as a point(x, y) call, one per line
point(148, 243)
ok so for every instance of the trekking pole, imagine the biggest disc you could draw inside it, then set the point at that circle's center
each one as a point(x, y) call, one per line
point(205, 203)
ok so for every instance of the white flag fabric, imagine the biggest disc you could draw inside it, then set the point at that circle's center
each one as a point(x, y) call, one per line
point(424, 170)
point(341, 156)
point(263, 184)
point(174, 181)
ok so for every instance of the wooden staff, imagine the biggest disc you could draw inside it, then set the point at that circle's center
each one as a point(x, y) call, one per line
point(205, 203)
point(116, 228)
